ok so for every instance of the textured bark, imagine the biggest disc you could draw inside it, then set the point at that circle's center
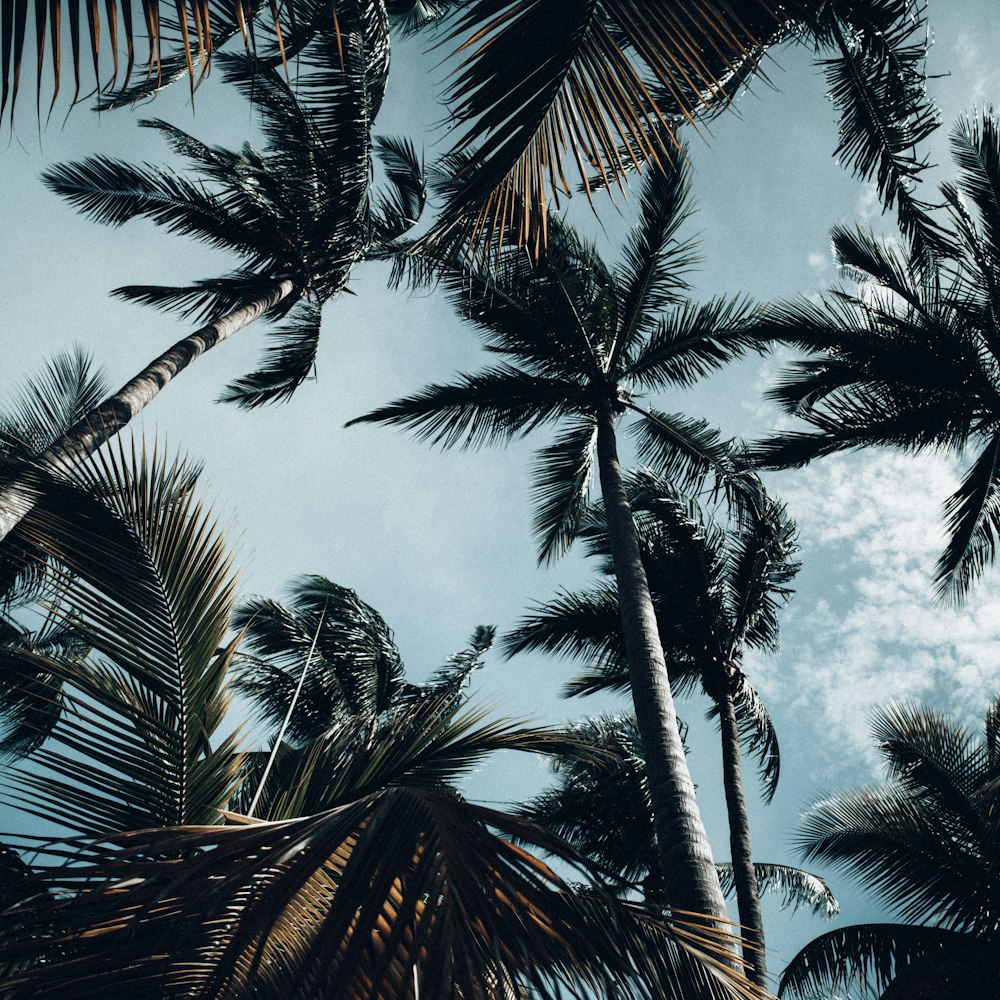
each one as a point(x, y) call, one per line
point(747, 896)
point(104, 421)
point(685, 856)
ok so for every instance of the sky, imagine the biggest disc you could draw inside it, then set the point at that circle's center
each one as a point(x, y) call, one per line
point(441, 542)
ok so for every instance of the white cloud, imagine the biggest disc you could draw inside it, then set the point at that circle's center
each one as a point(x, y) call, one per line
point(818, 261)
point(981, 77)
point(868, 206)
point(874, 521)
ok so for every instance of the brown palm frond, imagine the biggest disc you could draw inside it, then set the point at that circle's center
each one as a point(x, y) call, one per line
point(180, 38)
point(404, 893)
point(548, 90)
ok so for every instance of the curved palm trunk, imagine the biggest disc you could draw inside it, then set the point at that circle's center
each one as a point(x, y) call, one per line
point(104, 421)
point(747, 896)
point(685, 856)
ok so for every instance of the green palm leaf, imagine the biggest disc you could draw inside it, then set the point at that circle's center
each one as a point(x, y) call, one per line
point(878, 83)
point(872, 954)
point(686, 452)
point(288, 361)
point(693, 341)
point(145, 582)
point(795, 886)
point(562, 475)
point(654, 261)
point(490, 407)
point(356, 669)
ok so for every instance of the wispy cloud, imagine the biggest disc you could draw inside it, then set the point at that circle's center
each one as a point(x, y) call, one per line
point(873, 522)
point(980, 73)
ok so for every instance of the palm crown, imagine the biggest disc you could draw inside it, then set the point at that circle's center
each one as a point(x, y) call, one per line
point(575, 334)
point(925, 842)
point(301, 212)
point(912, 358)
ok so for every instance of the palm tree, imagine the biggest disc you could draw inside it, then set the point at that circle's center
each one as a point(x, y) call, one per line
point(394, 888)
point(578, 340)
point(298, 216)
point(716, 594)
point(911, 358)
point(925, 843)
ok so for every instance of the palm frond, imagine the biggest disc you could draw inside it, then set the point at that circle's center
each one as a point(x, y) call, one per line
point(31, 697)
point(760, 565)
point(50, 402)
point(394, 894)
point(795, 886)
point(972, 517)
point(113, 192)
point(450, 679)
point(930, 754)
point(289, 359)
point(427, 743)
point(357, 669)
point(145, 581)
point(398, 211)
point(545, 91)
point(584, 623)
point(561, 477)
point(601, 806)
point(209, 299)
point(757, 735)
point(693, 341)
point(975, 146)
point(654, 261)
point(871, 954)
point(493, 406)
point(878, 84)
point(686, 451)
point(865, 257)
point(918, 861)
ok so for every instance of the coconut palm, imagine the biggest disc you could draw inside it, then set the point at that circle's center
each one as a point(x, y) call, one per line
point(910, 359)
point(298, 216)
point(716, 594)
point(924, 842)
point(578, 340)
point(394, 888)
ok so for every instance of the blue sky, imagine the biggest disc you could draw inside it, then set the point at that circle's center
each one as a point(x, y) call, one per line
point(440, 542)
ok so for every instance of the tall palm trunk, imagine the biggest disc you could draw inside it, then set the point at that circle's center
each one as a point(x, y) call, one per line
point(747, 896)
point(104, 421)
point(685, 856)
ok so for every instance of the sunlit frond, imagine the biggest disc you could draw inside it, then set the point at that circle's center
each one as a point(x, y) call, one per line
point(547, 91)
point(398, 893)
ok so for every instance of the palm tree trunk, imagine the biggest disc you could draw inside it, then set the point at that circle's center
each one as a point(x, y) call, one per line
point(102, 423)
point(747, 896)
point(685, 856)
